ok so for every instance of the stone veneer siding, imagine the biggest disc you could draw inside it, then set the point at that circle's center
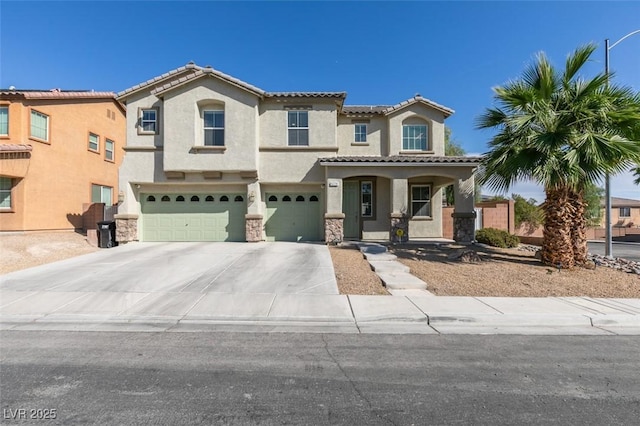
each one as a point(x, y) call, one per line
point(399, 230)
point(253, 228)
point(126, 228)
point(333, 228)
point(464, 227)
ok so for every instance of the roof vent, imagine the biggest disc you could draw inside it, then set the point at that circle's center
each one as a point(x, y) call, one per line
point(12, 87)
point(208, 66)
point(417, 95)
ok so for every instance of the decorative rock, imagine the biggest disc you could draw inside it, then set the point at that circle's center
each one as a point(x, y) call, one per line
point(466, 256)
point(618, 263)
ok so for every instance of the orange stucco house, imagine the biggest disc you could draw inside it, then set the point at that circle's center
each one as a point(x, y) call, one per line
point(59, 151)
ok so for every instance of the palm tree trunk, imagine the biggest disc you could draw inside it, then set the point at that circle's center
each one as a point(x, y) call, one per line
point(579, 227)
point(557, 247)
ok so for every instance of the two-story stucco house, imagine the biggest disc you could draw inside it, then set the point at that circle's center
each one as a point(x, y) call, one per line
point(212, 158)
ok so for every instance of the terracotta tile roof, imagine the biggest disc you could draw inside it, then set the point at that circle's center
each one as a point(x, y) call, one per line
point(403, 159)
point(59, 94)
point(188, 67)
point(13, 147)
point(202, 72)
point(364, 109)
point(419, 99)
point(340, 95)
point(621, 202)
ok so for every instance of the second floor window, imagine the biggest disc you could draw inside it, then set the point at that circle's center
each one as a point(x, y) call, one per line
point(108, 150)
point(149, 121)
point(414, 137)
point(213, 128)
point(625, 211)
point(4, 120)
point(94, 142)
point(360, 133)
point(298, 128)
point(39, 125)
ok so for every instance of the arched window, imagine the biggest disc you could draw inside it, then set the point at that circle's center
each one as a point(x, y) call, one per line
point(238, 198)
point(299, 198)
point(286, 198)
point(195, 198)
point(165, 198)
point(209, 198)
point(179, 198)
point(313, 198)
point(151, 198)
point(224, 198)
point(273, 198)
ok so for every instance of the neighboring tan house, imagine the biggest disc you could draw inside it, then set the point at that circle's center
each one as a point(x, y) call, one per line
point(212, 158)
point(59, 150)
point(625, 212)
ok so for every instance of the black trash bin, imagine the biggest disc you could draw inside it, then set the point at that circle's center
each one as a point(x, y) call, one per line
point(107, 234)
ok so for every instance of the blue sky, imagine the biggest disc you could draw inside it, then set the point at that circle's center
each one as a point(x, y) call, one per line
point(378, 52)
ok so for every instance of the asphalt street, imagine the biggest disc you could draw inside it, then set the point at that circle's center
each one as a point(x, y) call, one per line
point(629, 251)
point(247, 378)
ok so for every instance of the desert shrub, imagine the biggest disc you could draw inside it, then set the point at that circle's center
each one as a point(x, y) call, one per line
point(496, 238)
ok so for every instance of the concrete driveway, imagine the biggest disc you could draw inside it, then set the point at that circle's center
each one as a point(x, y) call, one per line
point(279, 267)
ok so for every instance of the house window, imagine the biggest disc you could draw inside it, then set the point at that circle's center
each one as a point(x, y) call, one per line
point(39, 125)
point(149, 121)
point(366, 198)
point(298, 128)
point(360, 132)
point(213, 128)
point(108, 150)
point(420, 201)
point(625, 211)
point(4, 121)
point(6, 185)
point(101, 194)
point(414, 137)
point(94, 142)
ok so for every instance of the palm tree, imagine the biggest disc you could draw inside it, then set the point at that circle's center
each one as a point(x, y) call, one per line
point(562, 132)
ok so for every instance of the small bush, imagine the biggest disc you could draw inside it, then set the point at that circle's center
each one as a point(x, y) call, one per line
point(497, 238)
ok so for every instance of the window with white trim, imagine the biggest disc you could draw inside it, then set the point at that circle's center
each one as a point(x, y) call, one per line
point(149, 120)
point(625, 211)
point(101, 194)
point(6, 186)
point(39, 125)
point(94, 142)
point(360, 133)
point(366, 198)
point(420, 200)
point(4, 120)
point(109, 146)
point(414, 137)
point(213, 127)
point(298, 128)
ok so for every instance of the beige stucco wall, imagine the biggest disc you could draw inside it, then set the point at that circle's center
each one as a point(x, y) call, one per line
point(433, 118)
point(292, 165)
point(135, 103)
point(376, 136)
point(184, 128)
point(58, 177)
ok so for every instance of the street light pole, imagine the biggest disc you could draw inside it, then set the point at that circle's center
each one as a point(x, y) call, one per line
point(608, 248)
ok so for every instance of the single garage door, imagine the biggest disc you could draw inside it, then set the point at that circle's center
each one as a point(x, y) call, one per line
point(293, 217)
point(193, 217)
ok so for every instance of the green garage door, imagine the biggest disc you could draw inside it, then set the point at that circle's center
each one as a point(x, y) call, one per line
point(293, 217)
point(193, 217)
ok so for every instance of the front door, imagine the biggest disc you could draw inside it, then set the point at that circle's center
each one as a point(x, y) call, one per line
point(350, 207)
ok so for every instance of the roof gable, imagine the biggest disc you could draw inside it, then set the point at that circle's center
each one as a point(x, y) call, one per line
point(203, 73)
point(173, 74)
point(418, 100)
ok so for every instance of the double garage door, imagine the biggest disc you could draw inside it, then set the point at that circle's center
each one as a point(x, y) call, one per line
point(220, 217)
point(293, 217)
point(193, 217)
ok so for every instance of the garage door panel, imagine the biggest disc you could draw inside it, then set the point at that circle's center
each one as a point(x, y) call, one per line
point(292, 220)
point(193, 220)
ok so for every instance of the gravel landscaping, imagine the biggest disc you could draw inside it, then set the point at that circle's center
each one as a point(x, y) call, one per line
point(353, 273)
point(25, 250)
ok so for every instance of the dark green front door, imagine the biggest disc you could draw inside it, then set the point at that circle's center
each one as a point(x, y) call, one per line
point(350, 207)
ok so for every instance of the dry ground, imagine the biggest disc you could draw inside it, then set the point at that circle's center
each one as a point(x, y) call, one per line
point(509, 272)
point(25, 250)
point(353, 273)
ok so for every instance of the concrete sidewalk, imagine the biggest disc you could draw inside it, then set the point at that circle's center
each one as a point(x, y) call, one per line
point(407, 312)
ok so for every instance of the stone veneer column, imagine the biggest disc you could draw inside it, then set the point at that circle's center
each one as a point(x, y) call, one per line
point(253, 227)
point(464, 227)
point(126, 228)
point(333, 228)
point(399, 232)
